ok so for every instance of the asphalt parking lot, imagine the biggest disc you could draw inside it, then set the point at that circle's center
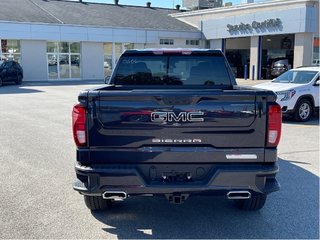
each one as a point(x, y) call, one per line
point(37, 157)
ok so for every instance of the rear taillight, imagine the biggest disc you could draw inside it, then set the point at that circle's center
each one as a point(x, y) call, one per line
point(274, 125)
point(79, 125)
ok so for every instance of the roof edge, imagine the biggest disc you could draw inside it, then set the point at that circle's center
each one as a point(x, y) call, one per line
point(101, 26)
point(110, 4)
point(242, 7)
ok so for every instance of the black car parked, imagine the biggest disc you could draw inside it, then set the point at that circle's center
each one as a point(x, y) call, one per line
point(280, 66)
point(11, 71)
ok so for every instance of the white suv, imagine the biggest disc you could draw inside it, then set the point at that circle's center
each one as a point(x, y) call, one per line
point(297, 91)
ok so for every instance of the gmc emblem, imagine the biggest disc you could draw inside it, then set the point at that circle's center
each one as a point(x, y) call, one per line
point(173, 117)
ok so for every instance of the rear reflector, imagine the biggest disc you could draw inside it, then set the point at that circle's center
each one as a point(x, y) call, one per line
point(274, 125)
point(79, 125)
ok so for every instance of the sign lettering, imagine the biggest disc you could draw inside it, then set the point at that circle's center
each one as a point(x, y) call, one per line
point(269, 23)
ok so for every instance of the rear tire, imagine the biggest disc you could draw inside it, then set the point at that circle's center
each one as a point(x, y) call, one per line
point(19, 80)
point(96, 203)
point(256, 202)
point(303, 110)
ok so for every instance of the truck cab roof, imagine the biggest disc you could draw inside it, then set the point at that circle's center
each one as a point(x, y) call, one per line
point(182, 51)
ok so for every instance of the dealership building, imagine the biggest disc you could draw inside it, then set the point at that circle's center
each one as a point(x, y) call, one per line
point(60, 40)
point(256, 33)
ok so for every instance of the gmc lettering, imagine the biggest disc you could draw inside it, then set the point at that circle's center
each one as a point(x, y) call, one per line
point(173, 117)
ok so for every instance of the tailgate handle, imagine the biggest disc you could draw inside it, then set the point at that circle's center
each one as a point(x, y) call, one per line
point(177, 100)
point(259, 109)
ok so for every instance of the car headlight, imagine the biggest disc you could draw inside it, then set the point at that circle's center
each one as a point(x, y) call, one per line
point(286, 94)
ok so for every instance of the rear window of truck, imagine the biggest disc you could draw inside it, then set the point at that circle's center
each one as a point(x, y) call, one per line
point(172, 70)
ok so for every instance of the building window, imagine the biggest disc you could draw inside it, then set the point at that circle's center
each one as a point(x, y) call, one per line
point(128, 46)
point(166, 42)
point(192, 42)
point(118, 51)
point(107, 53)
point(63, 60)
point(10, 50)
point(112, 52)
point(207, 44)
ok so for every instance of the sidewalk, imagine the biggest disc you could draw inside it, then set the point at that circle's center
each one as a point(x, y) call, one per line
point(250, 82)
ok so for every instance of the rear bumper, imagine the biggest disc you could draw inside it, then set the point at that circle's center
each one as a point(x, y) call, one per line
point(208, 179)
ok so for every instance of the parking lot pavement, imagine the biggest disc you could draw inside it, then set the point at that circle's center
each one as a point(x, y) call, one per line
point(37, 157)
point(249, 82)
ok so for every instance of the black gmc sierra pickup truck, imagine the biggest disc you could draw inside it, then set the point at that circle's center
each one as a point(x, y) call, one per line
point(174, 123)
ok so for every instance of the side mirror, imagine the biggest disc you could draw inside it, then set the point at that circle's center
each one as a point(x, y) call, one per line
point(317, 83)
point(106, 79)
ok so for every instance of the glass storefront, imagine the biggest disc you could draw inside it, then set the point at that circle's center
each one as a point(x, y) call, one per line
point(10, 49)
point(238, 55)
point(112, 52)
point(107, 64)
point(128, 46)
point(276, 55)
point(64, 60)
point(118, 51)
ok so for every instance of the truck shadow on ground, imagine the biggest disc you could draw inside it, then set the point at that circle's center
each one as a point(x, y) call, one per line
point(17, 89)
point(30, 87)
point(64, 82)
point(291, 213)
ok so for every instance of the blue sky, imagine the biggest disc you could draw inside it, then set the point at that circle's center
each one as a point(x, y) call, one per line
point(155, 3)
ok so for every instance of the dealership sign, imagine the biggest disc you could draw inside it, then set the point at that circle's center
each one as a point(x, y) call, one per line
point(242, 27)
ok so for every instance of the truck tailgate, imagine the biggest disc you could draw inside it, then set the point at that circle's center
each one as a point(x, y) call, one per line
point(174, 123)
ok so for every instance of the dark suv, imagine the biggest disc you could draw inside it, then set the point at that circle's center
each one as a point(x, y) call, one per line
point(11, 71)
point(280, 66)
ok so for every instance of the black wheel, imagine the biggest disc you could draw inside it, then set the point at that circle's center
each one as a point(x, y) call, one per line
point(96, 202)
point(254, 203)
point(303, 110)
point(19, 79)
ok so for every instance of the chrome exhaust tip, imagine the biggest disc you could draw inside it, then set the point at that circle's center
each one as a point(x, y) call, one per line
point(114, 195)
point(239, 195)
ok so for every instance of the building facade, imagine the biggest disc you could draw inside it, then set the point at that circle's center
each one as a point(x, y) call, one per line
point(61, 40)
point(254, 35)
